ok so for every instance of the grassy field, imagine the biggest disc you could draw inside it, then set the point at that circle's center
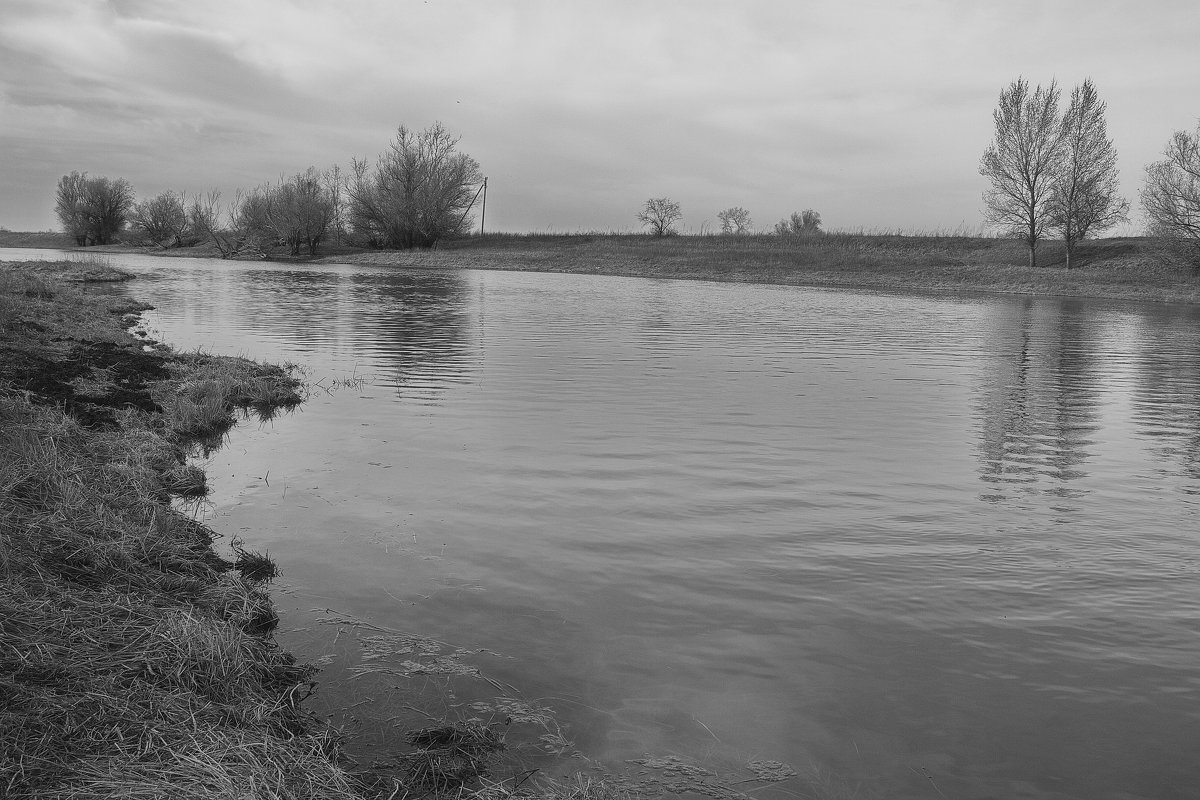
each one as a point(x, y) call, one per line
point(48, 239)
point(1126, 268)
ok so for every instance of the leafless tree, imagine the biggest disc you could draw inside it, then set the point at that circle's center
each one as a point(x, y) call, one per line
point(162, 219)
point(335, 190)
point(208, 219)
point(1022, 161)
point(735, 221)
point(1171, 196)
point(253, 221)
point(420, 192)
point(68, 205)
point(660, 215)
point(800, 223)
point(296, 212)
point(304, 210)
point(92, 210)
point(1086, 195)
point(109, 201)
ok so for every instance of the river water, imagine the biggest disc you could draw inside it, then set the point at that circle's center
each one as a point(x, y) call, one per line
point(913, 547)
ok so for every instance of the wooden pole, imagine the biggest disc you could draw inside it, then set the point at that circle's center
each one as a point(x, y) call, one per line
point(483, 212)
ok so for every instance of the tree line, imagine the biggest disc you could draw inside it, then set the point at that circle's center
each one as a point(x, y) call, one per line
point(1052, 171)
point(1048, 171)
point(418, 192)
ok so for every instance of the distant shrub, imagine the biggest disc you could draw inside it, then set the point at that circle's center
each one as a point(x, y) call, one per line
point(801, 223)
point(735, 221)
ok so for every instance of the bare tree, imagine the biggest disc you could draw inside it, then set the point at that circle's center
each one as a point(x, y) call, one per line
point(1086, 196)
point(800, 223)
point(420, 192)
point(1171, 196)
point(735, 221)
point(254, 221)
point(1022, 161)
point(303, 211)
point(296, 212)
point(162, 219)
point(108, 204)
point(92, 210)
point(316, 210)
point(209, 220)
point(68, 205)
point(660, 215)
point(335, 189)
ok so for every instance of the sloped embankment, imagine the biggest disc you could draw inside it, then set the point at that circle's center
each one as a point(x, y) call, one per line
point(134, 661)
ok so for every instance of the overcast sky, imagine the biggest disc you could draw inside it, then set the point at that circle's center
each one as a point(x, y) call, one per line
point(873, 113)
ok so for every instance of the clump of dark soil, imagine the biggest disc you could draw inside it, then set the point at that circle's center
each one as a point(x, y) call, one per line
point(115, 377)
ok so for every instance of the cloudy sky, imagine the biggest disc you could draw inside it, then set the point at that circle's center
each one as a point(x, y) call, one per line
point(873, 113)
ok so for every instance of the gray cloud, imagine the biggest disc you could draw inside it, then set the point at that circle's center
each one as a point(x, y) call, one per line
point(873, 113)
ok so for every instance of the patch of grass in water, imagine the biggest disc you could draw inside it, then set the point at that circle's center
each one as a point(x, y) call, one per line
point(76, 268)
point(207, 394)
point(255, 567)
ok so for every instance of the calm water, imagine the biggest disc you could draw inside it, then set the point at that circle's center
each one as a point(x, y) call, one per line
point(913, 547)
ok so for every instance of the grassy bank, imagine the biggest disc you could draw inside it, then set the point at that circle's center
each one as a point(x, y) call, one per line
point(134, 661)
point(47, 239)
point(1126, 268)
point(1131, 268)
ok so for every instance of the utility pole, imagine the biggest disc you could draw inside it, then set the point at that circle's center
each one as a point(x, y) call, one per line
point(483, 212)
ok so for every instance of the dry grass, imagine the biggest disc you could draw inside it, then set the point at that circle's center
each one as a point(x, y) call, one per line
point(76, 268)
point(206, 395)
point(133, 662)
point(127, 651)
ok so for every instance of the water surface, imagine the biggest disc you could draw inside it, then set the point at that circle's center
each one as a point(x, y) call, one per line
point(914, 547)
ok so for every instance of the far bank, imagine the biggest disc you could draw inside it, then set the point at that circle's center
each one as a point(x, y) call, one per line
point(1129, 268)
point(1123, 269)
